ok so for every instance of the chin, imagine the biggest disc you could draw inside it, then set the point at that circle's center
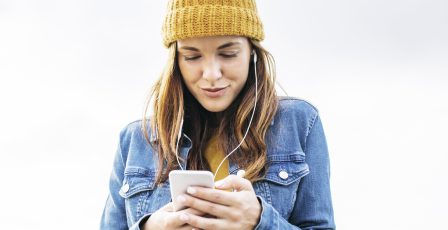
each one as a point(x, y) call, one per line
point(214, 107)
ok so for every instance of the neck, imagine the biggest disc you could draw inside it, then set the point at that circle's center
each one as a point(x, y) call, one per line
point(218, 116)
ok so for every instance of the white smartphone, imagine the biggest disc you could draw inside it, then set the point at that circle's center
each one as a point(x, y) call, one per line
point(180, 180)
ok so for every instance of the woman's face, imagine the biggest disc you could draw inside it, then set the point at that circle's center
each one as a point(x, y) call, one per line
point(214, 68)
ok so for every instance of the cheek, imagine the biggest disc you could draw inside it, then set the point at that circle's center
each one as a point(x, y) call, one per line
point(190, 74)
point(237, 72)
point(189, 83)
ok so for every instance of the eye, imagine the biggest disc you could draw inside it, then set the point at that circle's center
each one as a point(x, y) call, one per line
point(191, 58)
point(229, 55)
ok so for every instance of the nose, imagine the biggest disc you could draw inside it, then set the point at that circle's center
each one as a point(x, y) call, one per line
point(212, 70)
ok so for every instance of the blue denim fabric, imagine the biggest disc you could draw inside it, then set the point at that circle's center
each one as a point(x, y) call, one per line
point(295, 193)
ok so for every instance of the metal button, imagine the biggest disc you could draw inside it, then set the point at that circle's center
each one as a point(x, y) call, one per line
point(125, 188)
point(283, 174)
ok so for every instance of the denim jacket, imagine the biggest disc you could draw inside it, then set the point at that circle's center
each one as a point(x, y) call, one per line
point(294, 194)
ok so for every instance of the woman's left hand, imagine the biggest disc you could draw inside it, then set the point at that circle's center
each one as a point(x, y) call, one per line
point(232, 210)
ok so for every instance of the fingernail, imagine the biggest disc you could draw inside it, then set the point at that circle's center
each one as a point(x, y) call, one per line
point(181, 199)
point(183, 217)
point(241, 173)
point(191, 190)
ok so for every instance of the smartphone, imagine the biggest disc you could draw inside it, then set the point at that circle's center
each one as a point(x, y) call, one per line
point(180, 180)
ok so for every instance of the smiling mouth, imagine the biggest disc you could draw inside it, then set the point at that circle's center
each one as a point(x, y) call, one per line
point(214, 92)
point(213, 89)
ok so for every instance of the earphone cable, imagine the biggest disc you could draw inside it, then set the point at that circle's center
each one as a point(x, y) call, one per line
point(250, 121)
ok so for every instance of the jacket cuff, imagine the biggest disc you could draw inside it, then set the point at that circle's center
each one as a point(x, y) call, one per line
point(136, 225)
point(268, 217)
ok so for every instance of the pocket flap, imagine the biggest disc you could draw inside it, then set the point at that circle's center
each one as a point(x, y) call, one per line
point(137, 180)
point(285, 169)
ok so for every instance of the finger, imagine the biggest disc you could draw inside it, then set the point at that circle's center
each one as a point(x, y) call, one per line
point(193, 211)
point(217, 210)
point(173, 220)
point(187, 227)
point(213, 195)
point(206, 223)
point(168, 207)
point(176, 219)
point(234, 182)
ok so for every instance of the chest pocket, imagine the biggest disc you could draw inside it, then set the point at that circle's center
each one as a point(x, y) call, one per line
point(141, 194)
point(279, 187)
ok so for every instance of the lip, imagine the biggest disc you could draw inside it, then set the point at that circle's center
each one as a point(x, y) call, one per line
point(214, 92)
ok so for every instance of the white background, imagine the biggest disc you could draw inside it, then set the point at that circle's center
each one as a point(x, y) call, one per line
point(74, 72)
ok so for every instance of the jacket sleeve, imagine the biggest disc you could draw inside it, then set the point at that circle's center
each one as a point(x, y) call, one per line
point(313, 206)
point(114, 213)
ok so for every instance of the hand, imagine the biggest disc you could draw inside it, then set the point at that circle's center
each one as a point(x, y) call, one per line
point(232, 210)
point(166, 218)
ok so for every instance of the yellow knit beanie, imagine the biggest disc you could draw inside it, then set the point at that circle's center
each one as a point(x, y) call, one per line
point(196, 18)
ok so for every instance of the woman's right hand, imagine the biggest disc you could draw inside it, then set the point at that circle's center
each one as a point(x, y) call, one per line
point(166, 218)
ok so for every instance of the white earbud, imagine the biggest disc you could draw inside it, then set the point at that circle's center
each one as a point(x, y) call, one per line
point(255, 56)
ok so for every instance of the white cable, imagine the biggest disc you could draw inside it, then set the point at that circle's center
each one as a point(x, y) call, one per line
point(177, 144)
point(250, 121)
point(245, 134)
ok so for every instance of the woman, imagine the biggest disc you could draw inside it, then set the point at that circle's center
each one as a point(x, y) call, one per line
point(215, 108)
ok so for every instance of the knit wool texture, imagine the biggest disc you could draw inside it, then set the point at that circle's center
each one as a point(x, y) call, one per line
point(197, 18)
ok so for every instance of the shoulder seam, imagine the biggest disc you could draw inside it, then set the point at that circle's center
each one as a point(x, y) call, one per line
point(285, 98)
point(310, 127)
point(120, 148)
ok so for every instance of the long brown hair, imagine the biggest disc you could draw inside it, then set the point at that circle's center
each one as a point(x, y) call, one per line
point(173, 101)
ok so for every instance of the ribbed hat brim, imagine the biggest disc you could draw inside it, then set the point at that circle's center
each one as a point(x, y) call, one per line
point(211, 20)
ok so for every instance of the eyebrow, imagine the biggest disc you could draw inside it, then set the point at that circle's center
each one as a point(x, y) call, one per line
point(228, 44)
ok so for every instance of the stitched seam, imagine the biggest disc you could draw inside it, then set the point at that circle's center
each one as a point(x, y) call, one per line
point(308, 131)
point(267, 190)
point(278, 221)
point(139, 204)
point(290, 98)
point(121, 154)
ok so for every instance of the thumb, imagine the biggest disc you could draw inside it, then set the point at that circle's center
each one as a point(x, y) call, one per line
point(234, 182)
